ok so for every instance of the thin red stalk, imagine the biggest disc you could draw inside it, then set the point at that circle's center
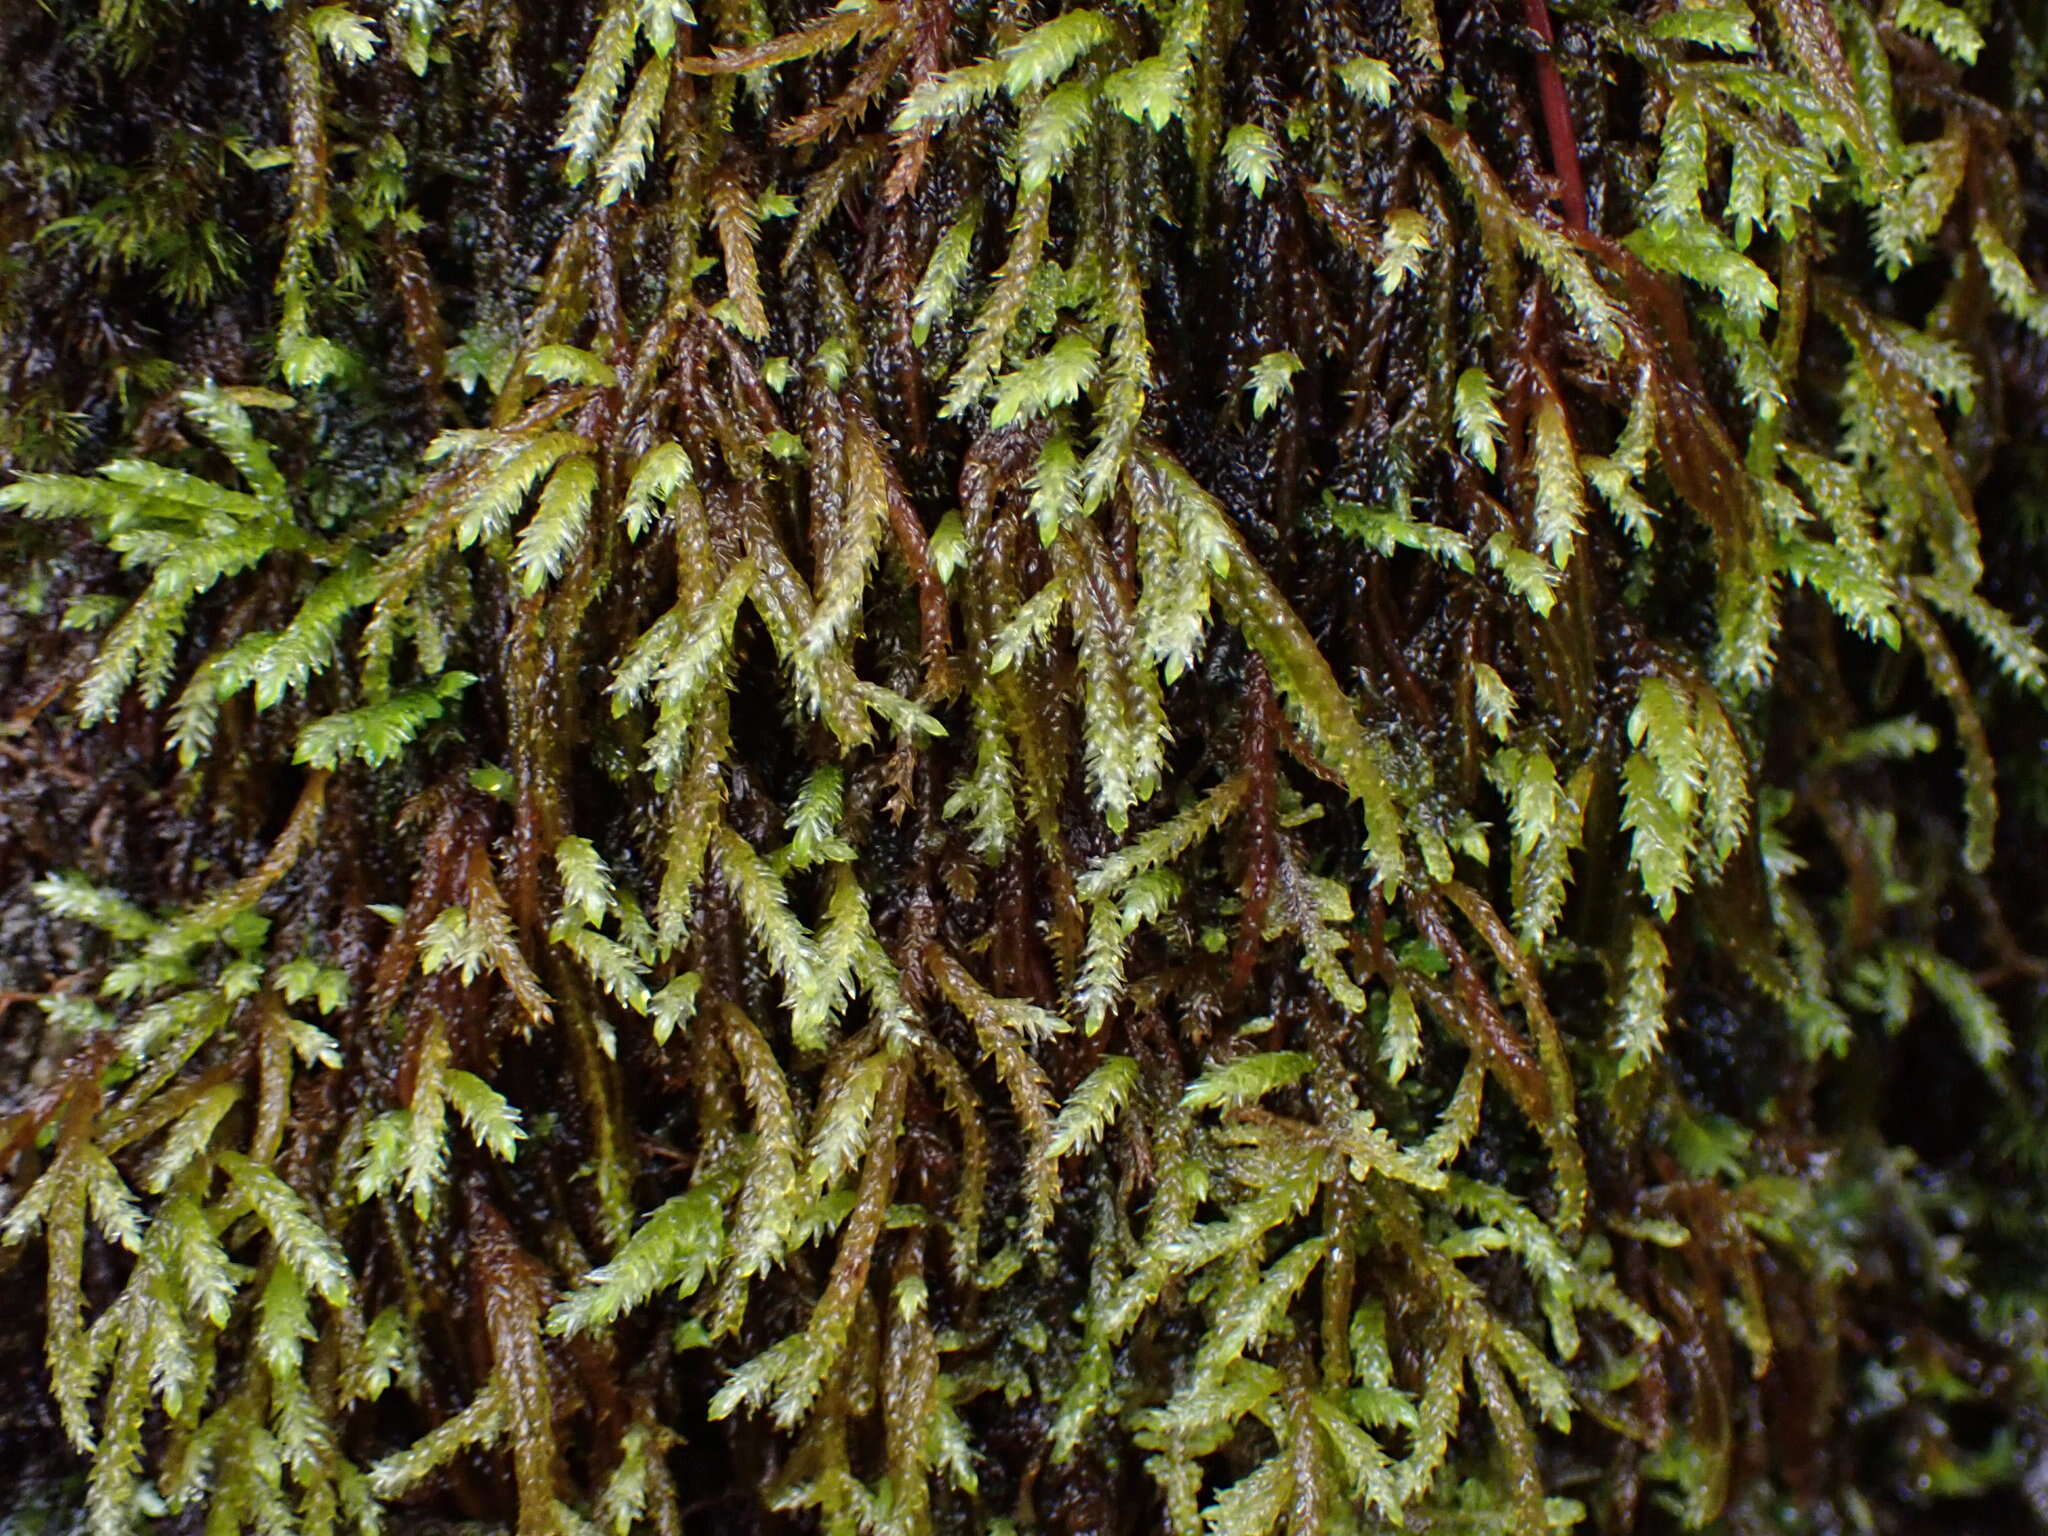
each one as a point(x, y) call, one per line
point(1557, 117)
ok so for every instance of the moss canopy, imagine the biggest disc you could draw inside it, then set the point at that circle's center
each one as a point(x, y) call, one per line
point(922, 766)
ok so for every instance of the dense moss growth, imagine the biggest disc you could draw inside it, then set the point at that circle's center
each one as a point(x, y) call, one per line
point(1211, 766)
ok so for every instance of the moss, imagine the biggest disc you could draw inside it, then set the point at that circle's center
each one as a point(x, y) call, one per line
point(952, 767)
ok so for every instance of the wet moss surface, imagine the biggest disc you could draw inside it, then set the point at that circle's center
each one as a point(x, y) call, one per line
point(926, 766)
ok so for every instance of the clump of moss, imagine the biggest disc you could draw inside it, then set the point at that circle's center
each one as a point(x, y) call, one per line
point(938, 766)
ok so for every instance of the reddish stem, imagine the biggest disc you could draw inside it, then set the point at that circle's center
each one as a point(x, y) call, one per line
point(1557, 117)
